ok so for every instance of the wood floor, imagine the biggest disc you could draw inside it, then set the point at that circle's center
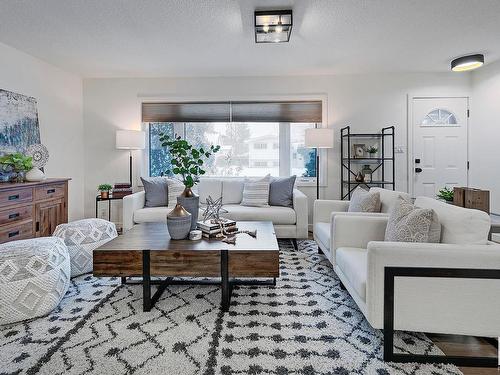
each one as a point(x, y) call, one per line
point(463, 345)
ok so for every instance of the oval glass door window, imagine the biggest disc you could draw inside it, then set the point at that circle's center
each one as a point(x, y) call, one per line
point(439, 117)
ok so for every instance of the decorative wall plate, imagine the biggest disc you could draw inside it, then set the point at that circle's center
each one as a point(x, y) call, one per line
point(39, 153)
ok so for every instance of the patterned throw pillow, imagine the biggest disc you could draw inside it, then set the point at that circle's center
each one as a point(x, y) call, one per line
point(408, 223)
point(256, 192)
point(364, 201)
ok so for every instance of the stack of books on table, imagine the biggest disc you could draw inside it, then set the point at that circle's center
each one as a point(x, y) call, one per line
point(213, 229)
point(121, 189)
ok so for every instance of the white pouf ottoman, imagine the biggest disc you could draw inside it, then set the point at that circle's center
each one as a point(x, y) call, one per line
point(82, 237)
point(34, 276)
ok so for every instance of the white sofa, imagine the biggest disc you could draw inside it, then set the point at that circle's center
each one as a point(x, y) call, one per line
point(288, 222)
point(437, 305)
point(326, 210)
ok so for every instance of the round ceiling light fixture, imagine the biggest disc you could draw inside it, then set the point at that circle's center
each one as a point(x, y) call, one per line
point(469, 62)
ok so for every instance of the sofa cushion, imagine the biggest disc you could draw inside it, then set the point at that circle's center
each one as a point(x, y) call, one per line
point(175, 188)
point(364, 201)
point(389, 197)
point(322, 232)
point(459, 225)
point(256, 192)
point(232, 190)
point(281, 191)
point(209, 187)
point(278, 215)
point(353, 263)
point(408, 223)
point(151, 214)
point(156, 189)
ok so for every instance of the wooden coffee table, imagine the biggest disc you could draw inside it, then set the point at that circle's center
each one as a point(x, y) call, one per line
point(147, 251)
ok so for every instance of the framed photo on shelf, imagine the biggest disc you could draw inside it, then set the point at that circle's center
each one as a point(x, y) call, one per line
point(358, 150)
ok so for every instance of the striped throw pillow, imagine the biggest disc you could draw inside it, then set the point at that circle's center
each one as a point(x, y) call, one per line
point(175, 188)
point(256, 192)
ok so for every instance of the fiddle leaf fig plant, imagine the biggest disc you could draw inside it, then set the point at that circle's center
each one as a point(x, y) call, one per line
point(186, 159)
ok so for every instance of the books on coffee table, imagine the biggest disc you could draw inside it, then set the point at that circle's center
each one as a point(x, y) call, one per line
point(218, 232)
point(209, 225)
point(213, 229)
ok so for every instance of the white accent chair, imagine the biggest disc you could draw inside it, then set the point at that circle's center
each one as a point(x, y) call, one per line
point(436, 305)
point(326, 210)
point(288, 222)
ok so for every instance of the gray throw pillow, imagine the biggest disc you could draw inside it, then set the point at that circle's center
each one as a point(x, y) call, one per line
point(156, 189)
point(364, 201)
point(281, 191)
point(408, 223)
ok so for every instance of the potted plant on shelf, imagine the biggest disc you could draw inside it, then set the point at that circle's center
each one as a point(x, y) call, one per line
point(372, 151)
point(104, 189)
point(187, 162)
point(445, 194)
point(16, 165)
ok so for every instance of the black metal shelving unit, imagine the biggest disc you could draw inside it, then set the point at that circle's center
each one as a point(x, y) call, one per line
point(384, 165)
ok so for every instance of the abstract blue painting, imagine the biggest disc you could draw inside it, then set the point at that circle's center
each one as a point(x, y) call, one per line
point(18, 122)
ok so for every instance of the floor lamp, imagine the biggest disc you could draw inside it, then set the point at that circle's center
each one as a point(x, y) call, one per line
point(130, 140)
point(318, 138)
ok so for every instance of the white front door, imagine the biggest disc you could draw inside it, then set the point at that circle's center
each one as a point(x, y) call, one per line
point(439, 153)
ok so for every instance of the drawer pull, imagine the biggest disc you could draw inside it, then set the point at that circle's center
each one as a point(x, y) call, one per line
point(50, 191)
point(13, 197)
point(13, 216)
point(13, 234)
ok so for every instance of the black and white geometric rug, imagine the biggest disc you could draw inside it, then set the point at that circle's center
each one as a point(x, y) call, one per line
point(305, 325)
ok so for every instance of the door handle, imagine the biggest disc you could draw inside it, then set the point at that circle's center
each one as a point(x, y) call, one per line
point(418, 170)
point(417, 161)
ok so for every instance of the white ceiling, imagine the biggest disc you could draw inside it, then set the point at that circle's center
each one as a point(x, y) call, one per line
point(146, 38)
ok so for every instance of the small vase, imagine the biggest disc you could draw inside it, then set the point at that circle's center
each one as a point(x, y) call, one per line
point(18, 177)
point(191, 203)
point(178, 223)
point(35, 174)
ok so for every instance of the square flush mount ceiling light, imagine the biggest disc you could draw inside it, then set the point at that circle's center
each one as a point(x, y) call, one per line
point(273, 26)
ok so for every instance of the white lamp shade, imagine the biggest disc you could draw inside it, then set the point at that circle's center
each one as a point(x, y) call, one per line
point(130, 139)
point(319, 138)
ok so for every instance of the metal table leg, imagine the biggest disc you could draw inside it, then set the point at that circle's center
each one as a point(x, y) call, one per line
point(146, 281)
point(225, 284)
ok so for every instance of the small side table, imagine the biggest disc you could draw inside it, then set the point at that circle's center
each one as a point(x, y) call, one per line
point(109, 199)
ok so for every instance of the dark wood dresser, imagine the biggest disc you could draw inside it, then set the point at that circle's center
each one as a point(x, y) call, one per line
point(32, 209)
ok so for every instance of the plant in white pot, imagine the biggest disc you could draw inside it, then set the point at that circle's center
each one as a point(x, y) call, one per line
point(187, 162)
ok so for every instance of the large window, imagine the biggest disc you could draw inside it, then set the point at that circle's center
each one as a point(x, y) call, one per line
point(247, 149)
point(256, 138)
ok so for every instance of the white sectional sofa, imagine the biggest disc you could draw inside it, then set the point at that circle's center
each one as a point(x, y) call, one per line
point(288, 222)
point(437, 305)
point(326, 210)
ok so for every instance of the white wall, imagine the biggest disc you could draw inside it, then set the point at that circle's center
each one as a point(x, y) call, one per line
point(366, 102)
point(59, 97)
point(485, 132)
